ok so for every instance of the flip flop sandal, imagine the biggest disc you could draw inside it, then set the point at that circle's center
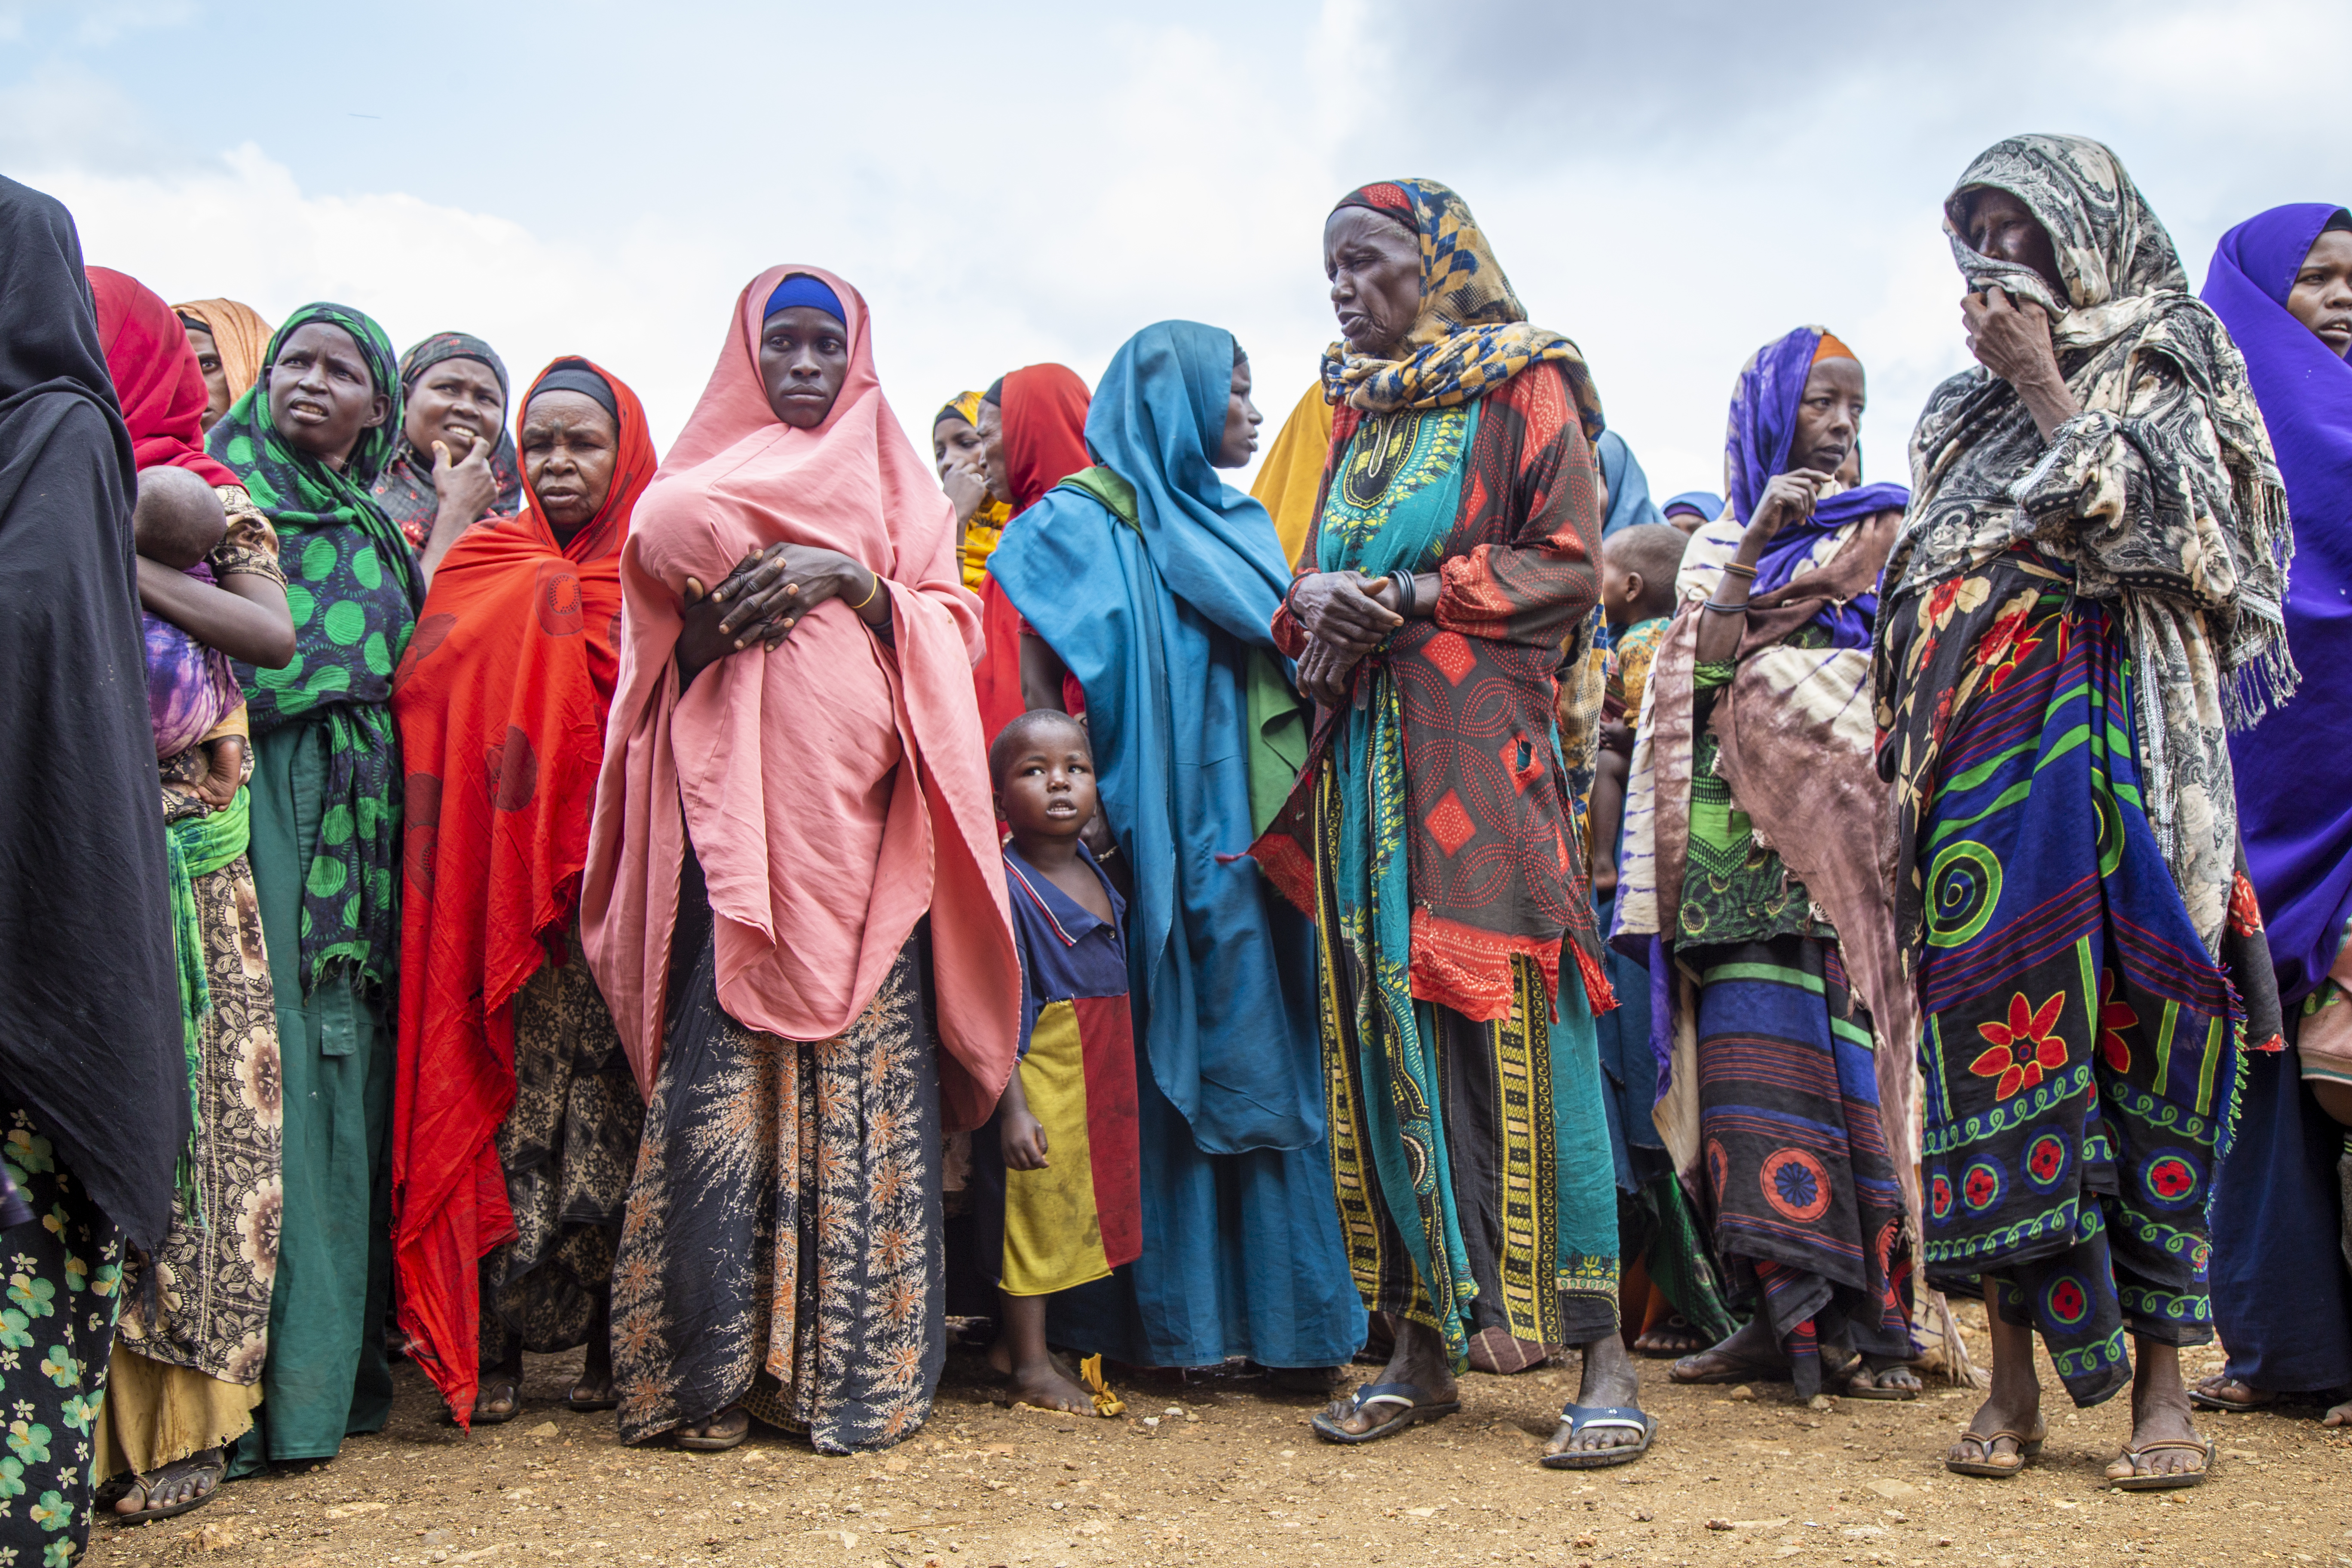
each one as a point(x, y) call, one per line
point(1857, 1389)
point(144, 1485)
point(2163, 1482)
point(1738, 1371)
point(707, 1443)
point(2205, 1401)
point(2028, 1451)
point(1416, 1406)
point(584, 1406)
point(514, 1405)
point(1582, 1419)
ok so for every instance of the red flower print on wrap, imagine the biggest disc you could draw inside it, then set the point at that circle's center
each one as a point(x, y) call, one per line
point(2025, 1047)
point(2003, 648)
point(2115, 1019)
point(2245, 909)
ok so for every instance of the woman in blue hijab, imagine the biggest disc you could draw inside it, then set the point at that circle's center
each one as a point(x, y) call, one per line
point(1153, 583)
point(1629, 487)
point(2281, 283)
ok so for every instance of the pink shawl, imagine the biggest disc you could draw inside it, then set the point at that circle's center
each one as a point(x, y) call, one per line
point(837, 789)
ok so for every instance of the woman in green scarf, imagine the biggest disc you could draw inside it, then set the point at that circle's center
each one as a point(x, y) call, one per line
point(307, 442)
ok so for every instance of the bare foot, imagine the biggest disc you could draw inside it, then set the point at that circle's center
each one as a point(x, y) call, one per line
point(2159, 1415)
point(1750, 1352)
point(1420, 1360)
point(1609, 1379)
point(1672, 1338)
point(2338, 1416)
point(194, 1478)
point(1044, 1387)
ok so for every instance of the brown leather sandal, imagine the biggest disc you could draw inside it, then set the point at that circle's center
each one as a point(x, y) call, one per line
point(1991, 1467)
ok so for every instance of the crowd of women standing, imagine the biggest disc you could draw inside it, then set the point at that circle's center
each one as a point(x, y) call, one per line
point(569, 907)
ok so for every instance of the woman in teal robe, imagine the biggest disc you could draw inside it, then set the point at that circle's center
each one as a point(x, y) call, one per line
point(1154, 584)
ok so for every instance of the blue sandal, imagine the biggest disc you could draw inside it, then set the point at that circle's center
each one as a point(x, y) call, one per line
point(1582, 1419)
point(1416, 1406)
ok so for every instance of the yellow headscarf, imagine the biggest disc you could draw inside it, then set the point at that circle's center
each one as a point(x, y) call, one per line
point(239, 335)
point(987, 524)
point(1292, 473)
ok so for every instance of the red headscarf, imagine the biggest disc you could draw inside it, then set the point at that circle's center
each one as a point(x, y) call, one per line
point(501, 700)
point(834, 791)
point(1045, 414)
point(156, 377)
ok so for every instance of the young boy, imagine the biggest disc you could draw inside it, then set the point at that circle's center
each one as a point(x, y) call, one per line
point(1638, 566)
point(1059, 1201)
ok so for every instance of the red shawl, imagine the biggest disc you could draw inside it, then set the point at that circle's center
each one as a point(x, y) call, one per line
point(1045, 413)
point(156, 377)
point(501, 700)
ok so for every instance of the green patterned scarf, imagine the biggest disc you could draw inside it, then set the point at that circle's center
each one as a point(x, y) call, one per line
point(354, 588)
point(197, 846)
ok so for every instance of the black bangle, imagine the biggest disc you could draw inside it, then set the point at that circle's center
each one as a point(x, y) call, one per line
point(1291, 594)
point(1405, 595)
point(1734, 568)
point(1726, 609)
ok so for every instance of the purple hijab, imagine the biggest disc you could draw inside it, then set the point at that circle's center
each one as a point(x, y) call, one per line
point(1763, 427)
point(2298, 839)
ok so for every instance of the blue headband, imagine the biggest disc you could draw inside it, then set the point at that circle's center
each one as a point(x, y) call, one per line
point(800, 289)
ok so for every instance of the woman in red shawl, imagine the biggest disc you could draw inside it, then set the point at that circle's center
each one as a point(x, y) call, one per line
point(1033, 433)
point(515, 1122)
point(794, 781)
point(185, 1371)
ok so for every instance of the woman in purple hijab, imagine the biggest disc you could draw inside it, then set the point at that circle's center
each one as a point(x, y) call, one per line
point(2282, 1298)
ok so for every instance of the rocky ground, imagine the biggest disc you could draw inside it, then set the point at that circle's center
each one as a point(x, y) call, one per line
point(1226, 1472)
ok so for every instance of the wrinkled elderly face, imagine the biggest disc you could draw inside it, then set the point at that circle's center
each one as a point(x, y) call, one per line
point(1374, 265)
point(569, 446)
point(803, 360)
point(1829, 417)
point(2003, 228)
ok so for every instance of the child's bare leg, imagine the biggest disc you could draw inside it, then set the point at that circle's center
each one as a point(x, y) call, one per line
point(1035, 1379)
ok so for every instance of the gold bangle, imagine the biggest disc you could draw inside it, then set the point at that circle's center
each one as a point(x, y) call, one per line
point(869, 593)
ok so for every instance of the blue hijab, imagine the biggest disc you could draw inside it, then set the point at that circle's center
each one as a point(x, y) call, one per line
point(1706, 504)
point(2298, 839)
point(1157, 587)
point(1755, 448)
point(1629, 487)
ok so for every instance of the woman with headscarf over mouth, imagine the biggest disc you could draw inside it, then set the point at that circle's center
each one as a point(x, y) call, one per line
point(794, 836)
point(516, 1121)
point(188, 1354)
point(2084, 599)
point(1434, 833)
point(455, 463)
point(1033, 435)
point(2281, 283)
point(307, 442)
point(1153, 583)
point(94, 1119)
point(1754, 815)
point(229, 337)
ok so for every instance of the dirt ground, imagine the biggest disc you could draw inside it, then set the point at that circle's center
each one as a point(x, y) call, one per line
point(1225, 1472)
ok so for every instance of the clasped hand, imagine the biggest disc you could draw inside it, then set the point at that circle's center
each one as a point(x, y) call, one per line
point(1345, 616)
point(765, 596)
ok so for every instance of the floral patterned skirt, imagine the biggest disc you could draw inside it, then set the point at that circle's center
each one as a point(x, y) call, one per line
point(57, 1325)
point(782, 1247)
point(567, 1147)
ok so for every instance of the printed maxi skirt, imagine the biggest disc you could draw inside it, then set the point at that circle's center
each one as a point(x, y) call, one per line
point(1800, 1190)
point(64, 1289)
point(2080, 1056)
point(781, 1246)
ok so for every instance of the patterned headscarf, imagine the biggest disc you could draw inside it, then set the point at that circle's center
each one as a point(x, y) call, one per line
point(353, 589)
point(1472, 334)
point(405, 491)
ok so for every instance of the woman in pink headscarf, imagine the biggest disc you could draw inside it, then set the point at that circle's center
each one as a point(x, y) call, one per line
point(792, 782)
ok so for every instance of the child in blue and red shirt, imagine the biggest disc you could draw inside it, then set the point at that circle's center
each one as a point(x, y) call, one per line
point(1059, 1200)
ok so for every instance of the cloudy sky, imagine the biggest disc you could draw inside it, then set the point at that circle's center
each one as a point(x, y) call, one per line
point(1670, 184)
